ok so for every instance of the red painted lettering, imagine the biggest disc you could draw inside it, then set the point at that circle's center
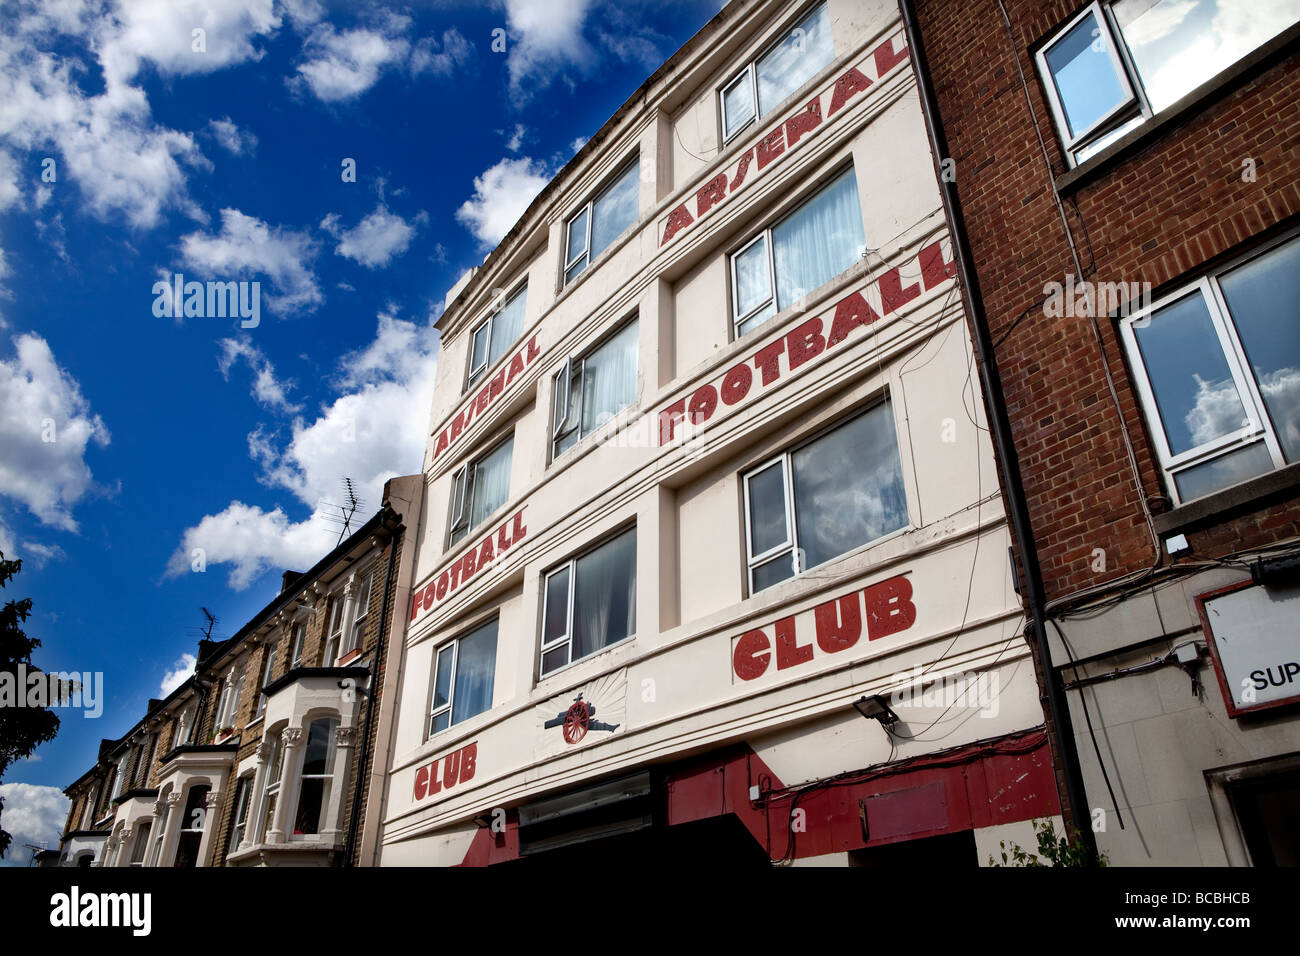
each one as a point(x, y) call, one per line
point(735, 384)
point(519, 530)
point(457, 424)
point(852, 311)
point(768, 361)
point(442, 444)
point(846, 87)
point(435, 786)
point(468, 761)
point(451, 769)
point(886, 58)
point(742, 169)
point(711, 193)
point(751, 655)
point(892, 293)
point(533, 350)
point(771, 146)
point(421, 783)
point(933, 267)
point(803, 122)
point(889, 607)
point(678, 220)
point(485, 553)
point(789, 651)
point(516, 366)
point(668, 419)
point(703, 404)
point(441, 591)
point(839, 623)
point(805, 342)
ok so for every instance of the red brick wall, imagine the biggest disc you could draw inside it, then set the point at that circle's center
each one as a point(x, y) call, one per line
point(1157, 215)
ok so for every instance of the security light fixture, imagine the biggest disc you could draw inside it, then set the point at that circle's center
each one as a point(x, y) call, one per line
point(876, 707)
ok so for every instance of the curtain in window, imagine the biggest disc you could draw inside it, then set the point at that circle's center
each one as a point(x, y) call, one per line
point(614, 210)
point(795, 61)
point(609, 379)
point(604, 595)
point(848, 487)
point(819, 241)
point(506, 326)
point(476, 665)
point(491, 483)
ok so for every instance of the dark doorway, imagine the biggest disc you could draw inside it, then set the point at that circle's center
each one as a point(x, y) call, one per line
point(951, 851)
point(1268, 810)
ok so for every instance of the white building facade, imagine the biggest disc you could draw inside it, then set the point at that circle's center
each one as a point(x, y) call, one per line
point(711, 556)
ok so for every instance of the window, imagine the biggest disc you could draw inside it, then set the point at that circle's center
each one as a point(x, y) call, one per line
point(271, 784)
point(591, 230)
point(140, 845)
point(589, 391)
point(268, 668)
point(146, 761)
point(1218, 369)
point(330, 652)
point(802, 252)
point(825, 498)
point(317, 777)
point(479, 488)
point(589, 602)
point(228, 703)
point(494, 337)
point(361, 610)
point(299, 633)
point(463, 678)
point(119, 775)
point(193, 821)
point(183, 726)
point(770, 80)
point(243, 796)
point(1120, 62)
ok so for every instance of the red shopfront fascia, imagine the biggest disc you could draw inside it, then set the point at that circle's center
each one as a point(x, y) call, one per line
point(985, 784)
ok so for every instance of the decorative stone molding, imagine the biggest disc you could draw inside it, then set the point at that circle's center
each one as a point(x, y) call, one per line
point(173, 800)
point(291, 736)
point(264, 750)
point(345, 736)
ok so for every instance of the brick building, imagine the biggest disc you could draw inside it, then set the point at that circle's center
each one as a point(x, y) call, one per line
point(266, 755)
point(713, 560)
point(1127, 173)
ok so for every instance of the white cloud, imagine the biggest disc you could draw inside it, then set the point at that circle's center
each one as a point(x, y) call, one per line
point(269, 391)
point(501, 194)
point(365, 433)
point(108, 143)
point(544, 37)
point(179, 673)
point(232, 138)
point(33, 815)
point(39, 401)
point(343, 65)
point(516, 138)
point(247, 247)
point(375, 240)
point(443, 59)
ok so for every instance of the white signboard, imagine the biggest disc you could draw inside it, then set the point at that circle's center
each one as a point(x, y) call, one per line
point(1254, 635)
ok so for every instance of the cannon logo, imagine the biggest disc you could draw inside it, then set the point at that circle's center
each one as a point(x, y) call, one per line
point(577, 720)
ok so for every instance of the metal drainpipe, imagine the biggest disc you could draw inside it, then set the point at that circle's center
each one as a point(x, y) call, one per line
point(991, 380)
point(354, 822)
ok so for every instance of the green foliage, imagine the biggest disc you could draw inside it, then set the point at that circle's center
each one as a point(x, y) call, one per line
point(22, 729)
point(1052, 850)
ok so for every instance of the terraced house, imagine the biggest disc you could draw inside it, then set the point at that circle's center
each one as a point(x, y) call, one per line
point(267, 754)
point(712, 559)
point(1128, 177)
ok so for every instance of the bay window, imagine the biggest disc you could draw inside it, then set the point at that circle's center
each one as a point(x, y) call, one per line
point(824, 498)
point(591, 389)
point(140, 843)
point(317, 777)
point(271, 784)
point(464, 673)
point(589, 602)
point(479, 488)
point(1119, 62)
point(593, 228)
point(799, 55)
point(1217, 366)
point(798, 254)
point(243, 797)
point(493, 338)
point(194, 820)
point(360, 610)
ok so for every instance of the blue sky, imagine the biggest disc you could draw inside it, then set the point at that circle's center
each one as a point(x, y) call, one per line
point(131, 149)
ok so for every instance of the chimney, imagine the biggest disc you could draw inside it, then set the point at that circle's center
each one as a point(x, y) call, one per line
point(287, 579)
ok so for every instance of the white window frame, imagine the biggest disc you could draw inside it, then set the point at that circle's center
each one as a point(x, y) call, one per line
point(1133, 97)
point(449, 707)
point(268, 667)
point(462, 494)
point(183, 729)
point(571, 565)
point(1257, 427)
point(567, 374)
point(476, 373)
point(140, 841)
point(243, 808)
point(272, 787)
point(589, 207)
point(338, 611)
point(297, 643)
point(363, 585)
point(786, 460)
point(751, 70)
point(332, 776)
